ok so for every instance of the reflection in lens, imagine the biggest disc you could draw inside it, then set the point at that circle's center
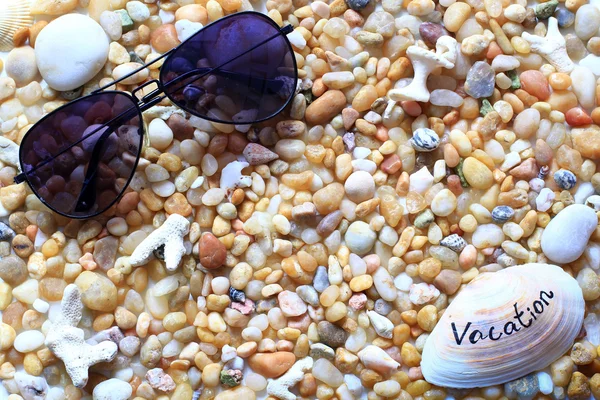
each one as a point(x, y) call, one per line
point(244, 89)
point(107, 124)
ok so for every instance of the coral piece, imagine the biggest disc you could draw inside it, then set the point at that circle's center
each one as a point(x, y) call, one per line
point(232, 178)
point(552, 47)
point(424, 63)
point(280, 387)
point(31, 387)
point(162, 112)
point(170, 235)
point(66, 341)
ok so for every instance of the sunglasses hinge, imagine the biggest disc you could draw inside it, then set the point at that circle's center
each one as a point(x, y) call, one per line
point(22, 177)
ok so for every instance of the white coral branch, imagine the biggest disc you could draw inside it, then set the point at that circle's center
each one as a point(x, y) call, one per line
point(552, 47)
point(424, 62)
point(280, 387)
point(170, 235)
point(67, 342)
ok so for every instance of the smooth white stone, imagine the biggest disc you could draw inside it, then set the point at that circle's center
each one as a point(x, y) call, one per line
point(567, 234)
point(584, 191)
point(112, 389)
point(591, 62)
point(545, 382)
point(70, 51)
point(487, 235)
point(186, 28)
point(29, 341)
point(584, 86)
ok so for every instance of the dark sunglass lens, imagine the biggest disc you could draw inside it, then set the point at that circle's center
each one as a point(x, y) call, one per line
point(216, 75)
point(79, 159)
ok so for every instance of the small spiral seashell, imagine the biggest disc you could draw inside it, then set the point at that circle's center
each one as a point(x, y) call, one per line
point(237, 295)
point(454, 242)
point(502, 214)
point(565, 179)
point(425, 140)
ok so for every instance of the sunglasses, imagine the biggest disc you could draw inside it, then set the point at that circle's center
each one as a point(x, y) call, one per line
point(80, 158)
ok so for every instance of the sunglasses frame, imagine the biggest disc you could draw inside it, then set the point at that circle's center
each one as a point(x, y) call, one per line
point(149, 100)
point(22, 177)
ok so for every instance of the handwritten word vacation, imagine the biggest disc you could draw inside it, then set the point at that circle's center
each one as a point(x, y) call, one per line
point(510, 327)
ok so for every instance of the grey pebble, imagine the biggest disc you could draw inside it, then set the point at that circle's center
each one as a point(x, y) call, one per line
point(321, 280)
point(357, 5)
point(382, 307)
point(523, 388)
point(480, 80)
point(308, 294)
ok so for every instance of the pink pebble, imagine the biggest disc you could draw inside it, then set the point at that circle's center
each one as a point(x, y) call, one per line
point(357, 301)
point(300, 322)
point(414, 374)
point(87, 262)
point(245, 308)
point(373, 262)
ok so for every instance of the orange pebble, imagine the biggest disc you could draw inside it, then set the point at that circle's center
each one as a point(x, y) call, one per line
point(493, 51)
point(596, 115)
point(559, 81)
point(577, 117)
point(31, 232)
point(382, 133)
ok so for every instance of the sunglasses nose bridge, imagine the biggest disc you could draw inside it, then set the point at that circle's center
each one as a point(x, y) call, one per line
point(147, 98)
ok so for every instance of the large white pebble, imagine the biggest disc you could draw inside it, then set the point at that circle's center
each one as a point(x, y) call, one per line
point(112, 389)
point(70, 51)
point(584, 86)
point(28, 341)
point(566, 236)
point(160, 134)
point(487, 235)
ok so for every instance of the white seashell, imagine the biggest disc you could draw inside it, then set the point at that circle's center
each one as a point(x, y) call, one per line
point(14, 15)
point(381, 324)
point(454, 242)
point(377, 359)
point(593, 201)
point(503, 326)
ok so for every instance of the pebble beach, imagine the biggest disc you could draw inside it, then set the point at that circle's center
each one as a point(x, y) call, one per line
point(421, 222)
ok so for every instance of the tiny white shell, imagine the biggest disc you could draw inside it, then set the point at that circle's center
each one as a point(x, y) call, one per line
point(381, 324)
point(488, 334)
point(14, 15)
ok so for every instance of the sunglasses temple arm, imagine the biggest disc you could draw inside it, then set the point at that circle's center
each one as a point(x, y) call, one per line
point(135, 71)
point(282, 31)
point(285, 30)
